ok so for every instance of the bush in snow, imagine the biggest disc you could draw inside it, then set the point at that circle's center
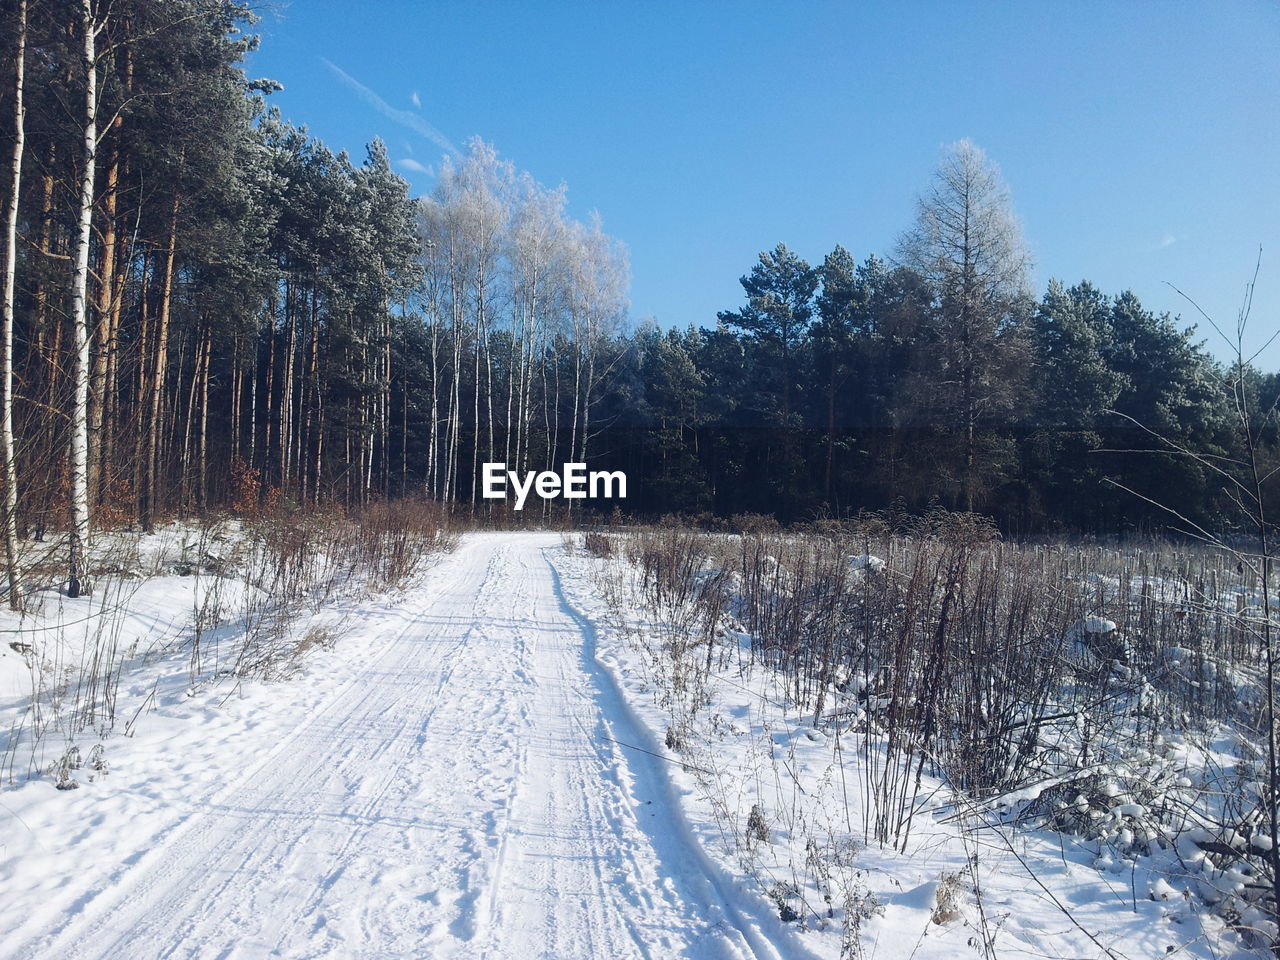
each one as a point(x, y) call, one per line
point(597, 544)
point(947, 898)
point(757, 828)
point(61, 769)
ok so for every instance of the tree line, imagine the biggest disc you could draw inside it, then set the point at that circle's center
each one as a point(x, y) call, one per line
point(937, 377)
point(206, 307)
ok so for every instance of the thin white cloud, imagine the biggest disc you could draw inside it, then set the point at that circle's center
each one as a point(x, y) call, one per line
point(1164, 243)
point(403, 117)
point(408, 163)
point(417, 100)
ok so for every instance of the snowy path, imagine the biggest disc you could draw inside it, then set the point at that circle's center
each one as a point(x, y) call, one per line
point(460, 796)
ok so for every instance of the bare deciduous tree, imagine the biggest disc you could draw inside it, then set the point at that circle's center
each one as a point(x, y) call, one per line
point(968, 244)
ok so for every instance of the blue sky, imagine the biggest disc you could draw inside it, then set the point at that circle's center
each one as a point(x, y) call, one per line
point(1141, 141)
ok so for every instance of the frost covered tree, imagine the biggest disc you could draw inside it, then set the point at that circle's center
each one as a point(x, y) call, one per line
point(597, 309)
point(967, 243)
point(524, 308)
point(537, 255)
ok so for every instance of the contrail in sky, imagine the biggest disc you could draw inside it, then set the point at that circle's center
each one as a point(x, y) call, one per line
point(411, 164)
point(405, 118)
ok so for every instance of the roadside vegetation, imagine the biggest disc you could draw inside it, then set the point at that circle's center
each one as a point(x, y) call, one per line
point(189, 606)
point(848, 691)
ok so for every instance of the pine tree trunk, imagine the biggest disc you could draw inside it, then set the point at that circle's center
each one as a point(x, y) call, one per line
point(367, 427)
point(404, 436)
point(43, 361)
point(159, 369)
point(319, 459)
point(102, 334)
point(311, 401)
point(111, 343)
point(110, 405)
point(268, 394)
point(386, 407)
point(301, 405)
point(237, 388)
point(202, 477)
point(831, 437)
point(253, 404)
point(189, 426)
point(44, 242)
point(286, 390)
point(142, 378)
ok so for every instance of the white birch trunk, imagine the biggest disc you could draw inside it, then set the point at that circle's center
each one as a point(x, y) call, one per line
point(78, 535)
point(6, 348)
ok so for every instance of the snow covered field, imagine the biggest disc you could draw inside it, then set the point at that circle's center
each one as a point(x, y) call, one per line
point(796, 784)
point(480, 768)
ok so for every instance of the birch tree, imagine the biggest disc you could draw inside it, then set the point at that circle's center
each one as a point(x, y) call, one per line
point(78, 533)
point(538, 251)
point(7, 453)
point(597, 308)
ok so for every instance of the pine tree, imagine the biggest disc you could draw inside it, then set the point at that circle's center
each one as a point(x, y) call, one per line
point(842, 315)
point(1075, 387)
point(673, 391)
point(779, 306)
point(1170, 388)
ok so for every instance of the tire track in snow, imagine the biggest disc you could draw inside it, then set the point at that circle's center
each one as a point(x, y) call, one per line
point(701, 882)
point(457, 798)
point(146, 898)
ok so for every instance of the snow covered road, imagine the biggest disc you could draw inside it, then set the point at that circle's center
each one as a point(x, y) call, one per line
point(461, 794)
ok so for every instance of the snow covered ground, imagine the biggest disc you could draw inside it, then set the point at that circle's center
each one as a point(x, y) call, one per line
point(479, 769)
point(782, 795)
point(449, 781)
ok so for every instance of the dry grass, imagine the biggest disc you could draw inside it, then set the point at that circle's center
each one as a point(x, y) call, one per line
point(258, 583)
point(970, 660)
